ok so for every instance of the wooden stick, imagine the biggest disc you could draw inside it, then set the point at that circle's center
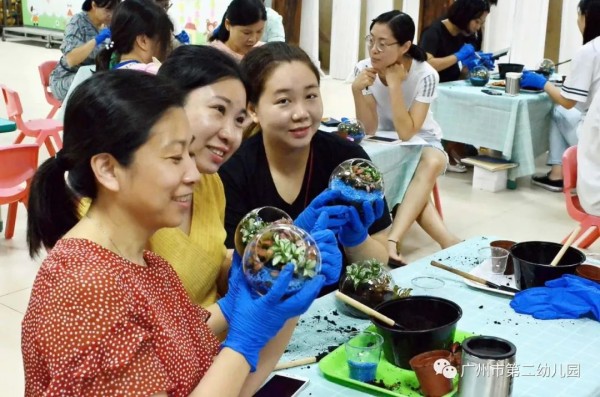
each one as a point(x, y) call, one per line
point(364, 308)
point(566, 246)
point(460, 273)
point(295, 363)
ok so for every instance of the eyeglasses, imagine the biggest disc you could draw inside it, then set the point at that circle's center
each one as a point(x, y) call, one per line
point(379, 46)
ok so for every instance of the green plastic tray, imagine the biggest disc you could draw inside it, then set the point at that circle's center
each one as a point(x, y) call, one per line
point(335, 368)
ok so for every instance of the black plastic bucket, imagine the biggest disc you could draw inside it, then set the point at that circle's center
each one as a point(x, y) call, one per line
point(430, 324)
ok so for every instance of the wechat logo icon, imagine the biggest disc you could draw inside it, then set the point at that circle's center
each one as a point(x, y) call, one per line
point(443, 367)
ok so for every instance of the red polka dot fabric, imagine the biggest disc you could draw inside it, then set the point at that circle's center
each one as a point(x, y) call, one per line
point(98, 324)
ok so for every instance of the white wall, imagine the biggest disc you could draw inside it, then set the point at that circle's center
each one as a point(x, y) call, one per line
point(520, 25)
point(570, 37)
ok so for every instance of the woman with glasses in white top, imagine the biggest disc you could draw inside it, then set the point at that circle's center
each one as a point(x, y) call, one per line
point(393, 90)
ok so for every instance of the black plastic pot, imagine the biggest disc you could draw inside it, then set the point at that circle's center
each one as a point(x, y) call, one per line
point(532, 262)
point(430, 324)
point(504, 68)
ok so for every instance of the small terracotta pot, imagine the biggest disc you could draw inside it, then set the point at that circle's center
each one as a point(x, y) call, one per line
point(433, 384)
point(506, 244)
point(590, 272)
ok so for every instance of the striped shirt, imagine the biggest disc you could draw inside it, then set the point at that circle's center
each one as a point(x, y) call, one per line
point(420, 86)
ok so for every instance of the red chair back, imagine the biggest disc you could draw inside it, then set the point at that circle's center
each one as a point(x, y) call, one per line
point(570, 168)
point(14, 110)
point(19, 163)
point(45, 69)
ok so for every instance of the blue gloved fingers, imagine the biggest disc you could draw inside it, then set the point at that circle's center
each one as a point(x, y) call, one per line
point(465, 52)
point(354, 232)
point(183, 37)
point(569, 280)
point(102, 35)
point(331, 257)
point(547, 315)
point(299, 303)
point(325, 197)
point(379, 206)
point(368, 214)
point(280, 286)
point(321, 223)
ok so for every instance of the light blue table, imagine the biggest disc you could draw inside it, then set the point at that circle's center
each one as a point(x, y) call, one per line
point(517, 126)
point(540, 344)
point(398, 165)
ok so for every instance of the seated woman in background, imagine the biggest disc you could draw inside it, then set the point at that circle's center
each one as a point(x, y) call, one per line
point(449, 46)
point(141, 30)
point(574, 98)
point(588, 160)
point(393, 90)
point(107, 317)
point(83, 37)
point(287, 163)
point(241, 28)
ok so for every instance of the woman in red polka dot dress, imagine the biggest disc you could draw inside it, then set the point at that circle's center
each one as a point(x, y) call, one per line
point(106, 317)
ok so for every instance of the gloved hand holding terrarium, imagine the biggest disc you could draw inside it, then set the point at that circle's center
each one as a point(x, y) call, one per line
point(361, 185)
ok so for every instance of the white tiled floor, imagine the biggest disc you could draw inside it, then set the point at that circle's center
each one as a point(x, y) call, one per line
point(523, 214)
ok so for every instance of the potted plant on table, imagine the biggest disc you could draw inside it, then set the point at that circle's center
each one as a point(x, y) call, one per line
point(370, 283)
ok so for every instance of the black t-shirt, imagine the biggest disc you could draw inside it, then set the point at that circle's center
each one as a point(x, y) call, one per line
point(248, 182)
point(439, 42)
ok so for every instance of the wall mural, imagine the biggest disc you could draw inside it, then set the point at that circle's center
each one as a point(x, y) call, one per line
point(197, 17)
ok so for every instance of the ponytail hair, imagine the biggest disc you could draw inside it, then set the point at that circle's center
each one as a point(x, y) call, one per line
point(240, 13)
point(403, 30)
point(127, 117)
point(590, 9)
point(131, 19)
point(108, 4)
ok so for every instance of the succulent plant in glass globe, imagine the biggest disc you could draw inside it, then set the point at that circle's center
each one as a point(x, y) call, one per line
point(358, 180)
point(479, 76)
point(255, 221)
point(370, 283)
point(351, 129)
point(546, 67)
point(274, 247)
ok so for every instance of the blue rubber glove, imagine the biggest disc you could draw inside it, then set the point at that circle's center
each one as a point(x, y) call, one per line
point(256, 321)
point(323, 202)
point(533, 80)
point(465, 52)
point(472, 62)
point(567, 297)
point(236, 281)
point(356, 230)
point(487, 60)
point(102, 36)
point(331, 257)
point(183, 37)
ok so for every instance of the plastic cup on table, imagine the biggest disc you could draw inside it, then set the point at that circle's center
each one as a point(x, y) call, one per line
point(494, 259)
point(363, 352)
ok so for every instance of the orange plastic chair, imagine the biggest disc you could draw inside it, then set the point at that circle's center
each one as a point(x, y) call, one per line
point(436, 200)
point(40, 129)
point(590, 224)
point(19, 163)
point(45, 69)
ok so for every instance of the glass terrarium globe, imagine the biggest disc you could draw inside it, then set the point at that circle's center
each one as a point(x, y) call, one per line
point(370, 283)
point(479, 76)
point(547, 67)
point(274, 247)
point(255, 221)
point(351, 129)
point(359, 180)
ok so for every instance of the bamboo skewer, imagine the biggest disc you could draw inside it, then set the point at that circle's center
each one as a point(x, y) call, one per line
point(366, 309)
point(295, 363)
point(566, 246)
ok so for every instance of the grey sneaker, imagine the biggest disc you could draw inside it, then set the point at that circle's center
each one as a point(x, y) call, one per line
point(458, 167)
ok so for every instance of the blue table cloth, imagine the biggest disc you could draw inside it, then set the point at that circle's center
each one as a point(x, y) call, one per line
point(518, 126)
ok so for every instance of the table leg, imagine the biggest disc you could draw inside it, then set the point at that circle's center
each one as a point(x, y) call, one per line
point(511, 184)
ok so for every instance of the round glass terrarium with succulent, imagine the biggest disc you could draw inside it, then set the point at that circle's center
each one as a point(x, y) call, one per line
point(255, 221)
point(351, 129)
point(358, 180)
point(370, 283)
point(274, 247)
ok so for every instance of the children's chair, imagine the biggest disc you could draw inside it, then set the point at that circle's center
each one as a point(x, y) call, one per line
point(590, 224)
point(19, 163)
point(40, 129)
point(45, 69)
